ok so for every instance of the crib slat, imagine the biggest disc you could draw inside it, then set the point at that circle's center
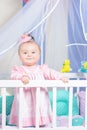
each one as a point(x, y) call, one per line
point(86, 108)
point(70, 106)
point(78, 88)
point(20, 108)
point(37, 106)
point(3, 92)
point(54, 107)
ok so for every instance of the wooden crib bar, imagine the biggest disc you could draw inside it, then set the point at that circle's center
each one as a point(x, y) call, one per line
point(4, 107)
point(86, 109)
point(41, 83)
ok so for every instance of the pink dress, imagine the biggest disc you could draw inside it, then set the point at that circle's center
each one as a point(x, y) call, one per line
point(29, 96)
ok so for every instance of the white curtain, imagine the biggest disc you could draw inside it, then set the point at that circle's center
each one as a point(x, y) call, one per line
point(57, 38)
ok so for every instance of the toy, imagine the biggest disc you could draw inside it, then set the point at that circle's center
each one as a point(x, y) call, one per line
point(83, 66)
point(66, 66)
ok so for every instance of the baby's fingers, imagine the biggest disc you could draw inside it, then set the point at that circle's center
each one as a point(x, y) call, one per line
point(65, 79)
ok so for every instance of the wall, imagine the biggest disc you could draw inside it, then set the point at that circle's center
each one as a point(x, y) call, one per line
point(8, 8)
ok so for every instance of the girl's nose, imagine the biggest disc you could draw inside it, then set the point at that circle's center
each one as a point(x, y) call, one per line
point(29, 54)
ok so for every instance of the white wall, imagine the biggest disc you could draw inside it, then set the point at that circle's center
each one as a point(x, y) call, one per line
point(8, 8)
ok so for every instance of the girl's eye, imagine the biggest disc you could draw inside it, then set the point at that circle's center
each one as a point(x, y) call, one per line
point(33, 52)
point(25, 52)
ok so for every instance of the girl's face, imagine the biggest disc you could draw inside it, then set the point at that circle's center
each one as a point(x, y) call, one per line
point(29, 53)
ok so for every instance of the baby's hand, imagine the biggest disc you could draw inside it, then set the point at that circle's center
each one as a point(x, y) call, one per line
point(25, 79)
point(65, 79)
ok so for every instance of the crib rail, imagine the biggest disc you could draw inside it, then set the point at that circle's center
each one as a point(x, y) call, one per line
point(41, 83)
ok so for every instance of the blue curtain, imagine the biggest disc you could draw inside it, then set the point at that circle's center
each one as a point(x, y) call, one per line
point(77, 20)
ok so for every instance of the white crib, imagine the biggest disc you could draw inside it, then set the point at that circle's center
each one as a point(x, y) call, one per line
point(48, 83)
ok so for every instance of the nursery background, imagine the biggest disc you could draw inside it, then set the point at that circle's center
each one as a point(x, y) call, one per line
point(58, 26)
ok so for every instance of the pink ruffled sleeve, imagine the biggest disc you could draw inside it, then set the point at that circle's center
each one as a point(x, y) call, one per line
point(51, 73)
point(17, 73)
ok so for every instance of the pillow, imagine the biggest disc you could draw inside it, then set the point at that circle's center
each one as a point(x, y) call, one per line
point(62, 103)
point(9, 101)
point(62, 95)
point(62, 108)
point(81, 96)
point(75, 106)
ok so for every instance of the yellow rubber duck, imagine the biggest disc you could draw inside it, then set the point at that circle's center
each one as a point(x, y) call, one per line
point(85, 65)
point(66, 66)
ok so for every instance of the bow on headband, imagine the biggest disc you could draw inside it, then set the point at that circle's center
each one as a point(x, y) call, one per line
point(26, 38)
